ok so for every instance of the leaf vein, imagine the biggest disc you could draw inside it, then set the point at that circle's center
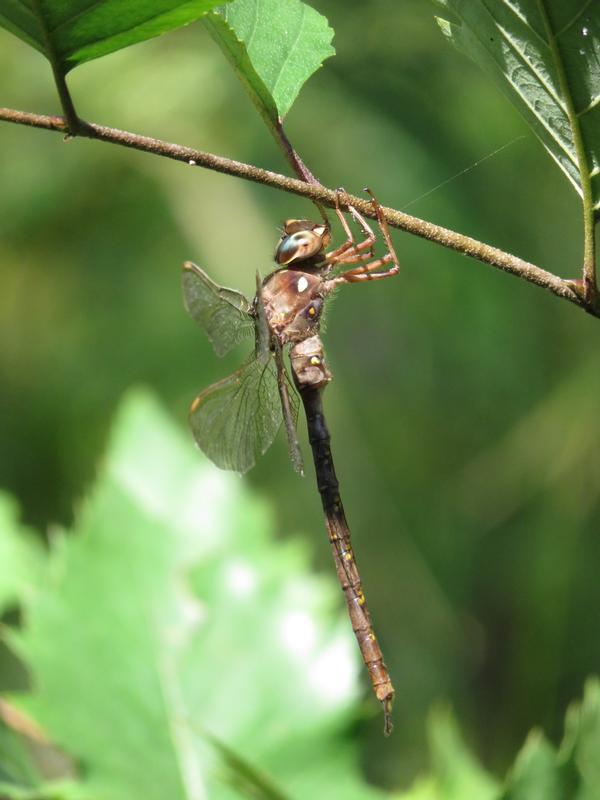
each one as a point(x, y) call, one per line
point(115, 34)
point(81, 13)
point(254, 26)
point(523, 96)
point(574, 19)
point(592, 104)
point(542, 81)
point(291, 50)
point(524, 20)
point(26, 8)
point(576, 132)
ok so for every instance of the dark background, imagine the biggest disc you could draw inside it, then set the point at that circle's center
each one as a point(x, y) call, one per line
point(464, 406)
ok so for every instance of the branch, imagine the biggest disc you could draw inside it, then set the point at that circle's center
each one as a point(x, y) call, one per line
point(567, 289)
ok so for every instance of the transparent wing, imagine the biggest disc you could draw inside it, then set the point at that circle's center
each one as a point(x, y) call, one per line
point(235, 420)
point(223, 314)
point(289, 405)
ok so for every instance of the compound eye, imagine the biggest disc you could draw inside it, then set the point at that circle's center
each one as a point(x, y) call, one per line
point(297, 246)
point(296, 225)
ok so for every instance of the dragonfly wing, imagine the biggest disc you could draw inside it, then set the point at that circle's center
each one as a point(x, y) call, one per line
point(289, 406)
point(222, 313)
point(235, 420)
point(263, 338)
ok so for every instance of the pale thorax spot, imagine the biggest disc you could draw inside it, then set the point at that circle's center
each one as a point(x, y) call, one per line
point(302, 283)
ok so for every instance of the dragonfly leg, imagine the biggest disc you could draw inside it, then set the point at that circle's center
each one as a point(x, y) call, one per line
point(349, 247)
point(342, 219)
point(372, 270)
point(368, 272)
point(383, 227)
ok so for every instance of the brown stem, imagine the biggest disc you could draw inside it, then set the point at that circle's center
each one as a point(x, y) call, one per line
point(299, 167)
point(316, 192)
point(58, 71)
point(66, 101)
point(297, 164)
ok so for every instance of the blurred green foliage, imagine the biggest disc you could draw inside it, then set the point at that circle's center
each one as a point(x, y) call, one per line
point(174, 649)
point(464, 405)
point(171, 615)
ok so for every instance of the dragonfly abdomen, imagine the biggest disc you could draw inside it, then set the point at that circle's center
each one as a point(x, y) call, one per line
point(311, 375)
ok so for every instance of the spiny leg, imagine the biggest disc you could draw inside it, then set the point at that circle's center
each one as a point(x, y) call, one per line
point(383, 226)
point(349, 248)
point(362, 222)
point(368, 272)
point(349, 238)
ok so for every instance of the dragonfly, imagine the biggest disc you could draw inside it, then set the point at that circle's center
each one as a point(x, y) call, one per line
point(235, 420)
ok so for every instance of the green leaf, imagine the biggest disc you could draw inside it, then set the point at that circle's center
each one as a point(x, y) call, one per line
point(274, 47)
point(456, 771)
point(456, 774)
point(535, 775)
point(580, 751)
point(16, 771)
point(545, 54)
point(540, 773)
point(69, 32)
point(170, 620)
point(20, 555)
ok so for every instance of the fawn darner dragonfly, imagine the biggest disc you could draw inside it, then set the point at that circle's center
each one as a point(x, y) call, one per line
point(236, 419)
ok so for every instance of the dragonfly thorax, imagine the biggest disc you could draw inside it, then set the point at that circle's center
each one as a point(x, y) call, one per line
point(293, 302)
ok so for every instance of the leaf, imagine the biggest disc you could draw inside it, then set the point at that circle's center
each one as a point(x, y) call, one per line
point(274, 47)
point(540, 773)
point(20, 556)
point(545, 54)
point(456, 771)
point(170, 618)
point(16, 771)
point(70, 32)
point(579, 755)
point(535, 775)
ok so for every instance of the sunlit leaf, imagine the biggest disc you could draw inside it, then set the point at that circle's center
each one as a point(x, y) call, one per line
point(579, 756)
point(545, 55)
point(274, 46)
point(456, 771)
point(69, 32)
point(540, 772)
point(20, 555)
point(170, 619)
point(535, 775)
point(16, 770)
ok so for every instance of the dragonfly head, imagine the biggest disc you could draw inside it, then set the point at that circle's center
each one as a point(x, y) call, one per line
point(301, 240)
